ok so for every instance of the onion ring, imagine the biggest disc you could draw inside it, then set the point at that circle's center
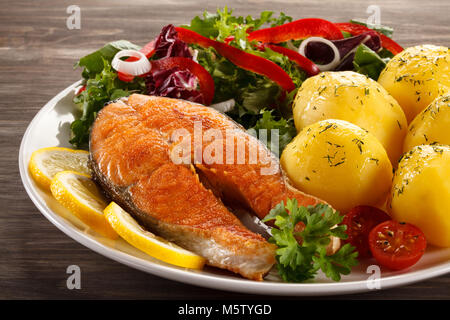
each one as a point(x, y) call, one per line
point(323, 67)
point(135, 68)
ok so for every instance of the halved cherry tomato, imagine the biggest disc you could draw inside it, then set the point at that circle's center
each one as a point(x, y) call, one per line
point(360, 221)
point(397, 245)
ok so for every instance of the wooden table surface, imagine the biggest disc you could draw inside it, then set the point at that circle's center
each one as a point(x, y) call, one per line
point(37, 52)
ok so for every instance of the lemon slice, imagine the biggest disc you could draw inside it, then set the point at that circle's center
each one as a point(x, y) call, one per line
point(146, 241)
point(81, 196)
point(47, 162)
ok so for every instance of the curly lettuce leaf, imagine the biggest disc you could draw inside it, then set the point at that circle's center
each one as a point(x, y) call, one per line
point(102, 88)
point(270, 121)
point(222, 23)
point(252, 92)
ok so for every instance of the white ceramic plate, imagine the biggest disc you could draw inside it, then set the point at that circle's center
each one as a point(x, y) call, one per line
point(50, 127)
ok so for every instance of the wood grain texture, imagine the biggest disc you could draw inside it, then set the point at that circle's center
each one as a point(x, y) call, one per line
point(37, 53)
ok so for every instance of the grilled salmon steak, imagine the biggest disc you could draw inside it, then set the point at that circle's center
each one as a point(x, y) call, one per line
point(174, 165)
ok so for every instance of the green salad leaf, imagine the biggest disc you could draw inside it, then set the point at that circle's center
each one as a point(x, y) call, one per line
point(299, 261)
point(93, 62)
point(252, 92)
point(102, 88)
point(204, 26)
point(270, 121)
point(222, 23)
point(368, 62)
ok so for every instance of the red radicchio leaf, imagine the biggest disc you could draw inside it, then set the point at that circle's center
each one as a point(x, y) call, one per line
point(168, 45)
point(174, 83)
point(371, 39)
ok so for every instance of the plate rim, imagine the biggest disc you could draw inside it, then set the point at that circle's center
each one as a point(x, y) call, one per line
point(194, 278)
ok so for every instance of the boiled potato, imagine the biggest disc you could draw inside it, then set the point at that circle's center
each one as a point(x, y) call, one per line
point(340, 163)
point(430, 126)
point(421, 192)
point(416, 76)
point(355, 98)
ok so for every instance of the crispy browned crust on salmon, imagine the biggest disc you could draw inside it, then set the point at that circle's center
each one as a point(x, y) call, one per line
point(132, 146)
point(130, 160)
point(238, 179)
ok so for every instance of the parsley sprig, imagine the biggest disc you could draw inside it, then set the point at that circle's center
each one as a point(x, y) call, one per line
point(298, 262)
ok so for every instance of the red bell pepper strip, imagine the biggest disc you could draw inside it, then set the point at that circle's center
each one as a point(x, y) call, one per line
point(125, 77)
point(295, 30)
point(193, 37)
point(356, 29)
point(310, 67)
point(148, 50)
point(228, 39)
point(205, 80)
point(241, 58)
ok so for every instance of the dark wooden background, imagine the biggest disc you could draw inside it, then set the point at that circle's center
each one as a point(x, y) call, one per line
point(37, 53)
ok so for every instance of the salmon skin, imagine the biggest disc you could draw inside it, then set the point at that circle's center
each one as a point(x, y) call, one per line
point(135, 148)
